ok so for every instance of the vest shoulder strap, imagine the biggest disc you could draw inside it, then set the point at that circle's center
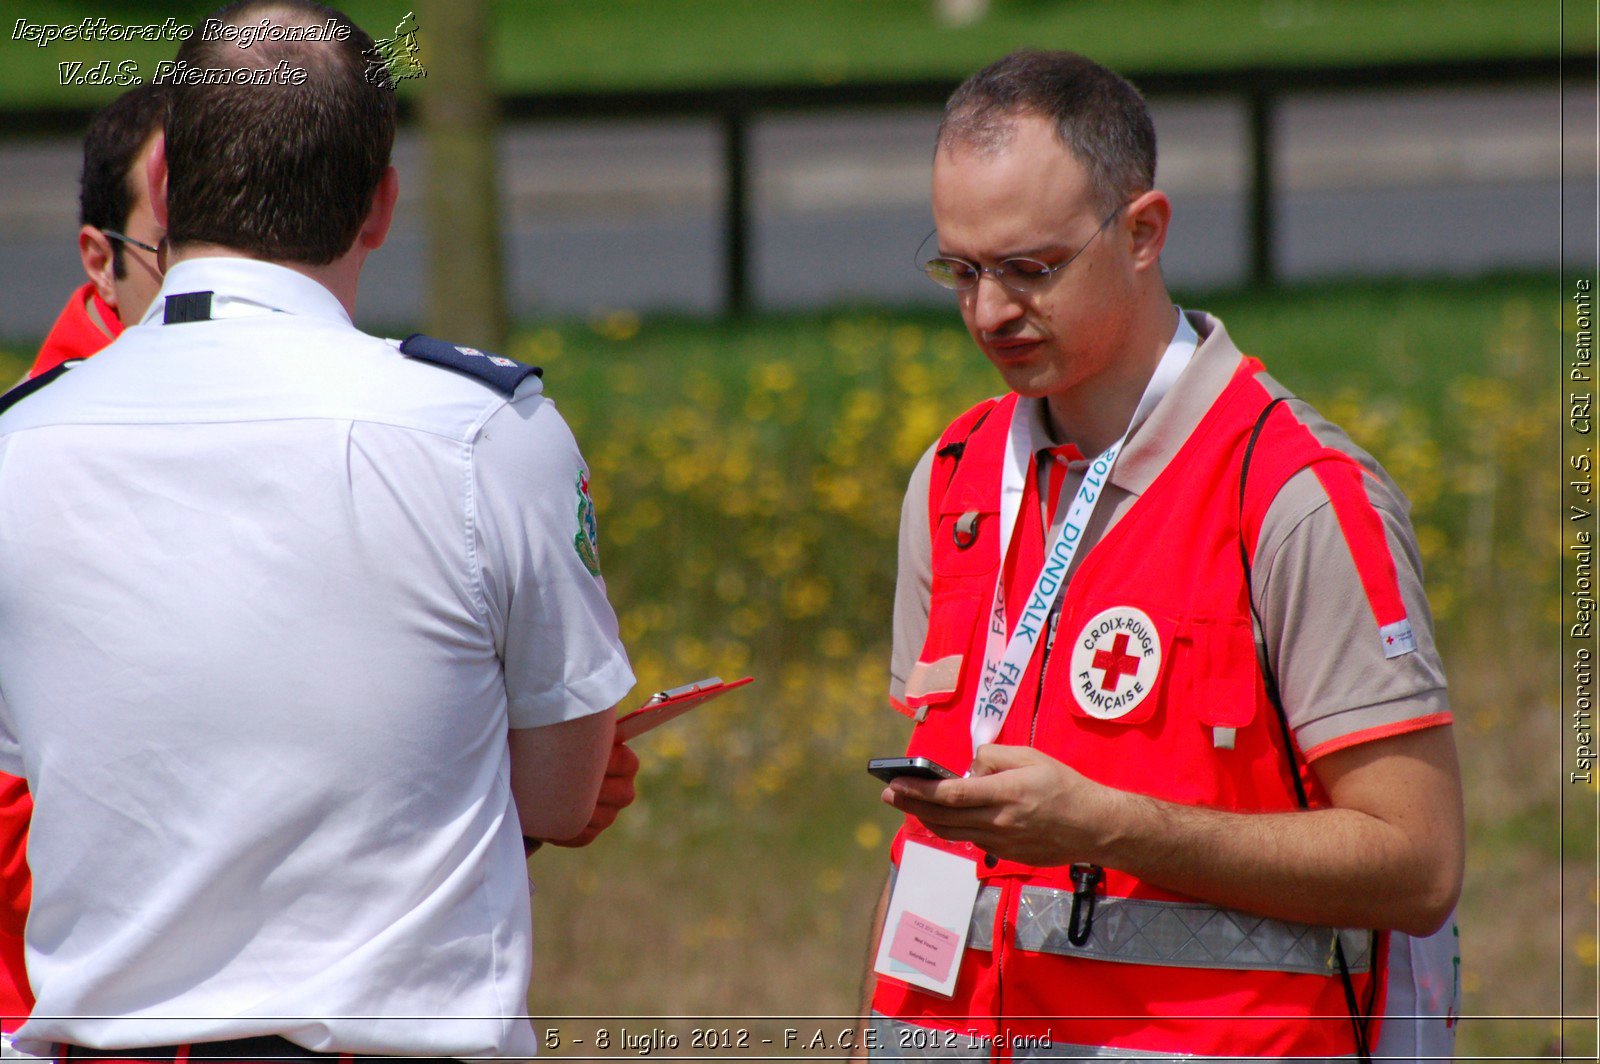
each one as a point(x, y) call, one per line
point(1279, 445)
point(967, 431)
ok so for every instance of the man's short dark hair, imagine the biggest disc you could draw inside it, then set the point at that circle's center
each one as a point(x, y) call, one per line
point(106, 187)
point(1098, 116)
point(285, 170)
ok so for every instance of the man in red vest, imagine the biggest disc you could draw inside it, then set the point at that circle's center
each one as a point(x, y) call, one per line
point(1165, 626)
point(116, 242)
point(118, 234)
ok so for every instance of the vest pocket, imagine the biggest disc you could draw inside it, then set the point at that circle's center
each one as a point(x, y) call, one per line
point(1118, 657)
point(1221, 676)
point(966, 543)
point(936, 676)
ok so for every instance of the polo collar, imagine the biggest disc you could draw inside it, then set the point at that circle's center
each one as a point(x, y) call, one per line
point(1155, 441)
point(274, 287)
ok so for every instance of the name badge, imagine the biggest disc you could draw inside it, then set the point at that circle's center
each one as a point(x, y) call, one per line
point(925, 929)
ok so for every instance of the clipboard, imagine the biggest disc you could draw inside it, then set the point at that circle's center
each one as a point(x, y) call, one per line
point(668, 705)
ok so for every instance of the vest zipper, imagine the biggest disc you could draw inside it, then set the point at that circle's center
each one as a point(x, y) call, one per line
point(1044, 667)
point(1000, 945)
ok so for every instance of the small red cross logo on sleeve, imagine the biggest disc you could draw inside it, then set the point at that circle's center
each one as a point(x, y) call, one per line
point(1116, 662)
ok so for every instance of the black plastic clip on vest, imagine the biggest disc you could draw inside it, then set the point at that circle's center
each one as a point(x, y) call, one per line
point(1086, 880)
point(965, 532)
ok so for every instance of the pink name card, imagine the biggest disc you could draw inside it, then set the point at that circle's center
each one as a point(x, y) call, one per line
point(925, 946)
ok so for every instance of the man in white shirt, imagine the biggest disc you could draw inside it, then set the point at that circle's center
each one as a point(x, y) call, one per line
point(305, 629)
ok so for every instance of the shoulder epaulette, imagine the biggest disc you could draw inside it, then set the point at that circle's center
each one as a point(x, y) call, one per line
point(28, 387)
point(497, 371)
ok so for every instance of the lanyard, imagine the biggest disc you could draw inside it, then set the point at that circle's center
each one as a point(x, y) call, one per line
point(1004, 661)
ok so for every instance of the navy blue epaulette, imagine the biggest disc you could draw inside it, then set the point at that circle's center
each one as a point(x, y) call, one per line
point(496, 371)
point(28, 387)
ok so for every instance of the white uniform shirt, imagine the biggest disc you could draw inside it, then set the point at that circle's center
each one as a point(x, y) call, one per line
point(272, 595)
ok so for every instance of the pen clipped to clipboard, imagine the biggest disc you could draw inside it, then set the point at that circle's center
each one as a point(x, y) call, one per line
point(668, 705)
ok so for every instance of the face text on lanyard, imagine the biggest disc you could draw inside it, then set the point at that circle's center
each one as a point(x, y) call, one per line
point(1000, 678)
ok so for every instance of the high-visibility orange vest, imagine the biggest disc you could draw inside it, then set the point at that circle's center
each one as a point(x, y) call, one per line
point(1159, 972)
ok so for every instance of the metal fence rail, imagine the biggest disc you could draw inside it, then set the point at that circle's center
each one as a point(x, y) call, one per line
point(1260, 89)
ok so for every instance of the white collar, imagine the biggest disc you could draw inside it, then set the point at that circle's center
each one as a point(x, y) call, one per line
point(263, 283)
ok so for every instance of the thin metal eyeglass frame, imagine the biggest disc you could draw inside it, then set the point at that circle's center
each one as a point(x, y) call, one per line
point(114, 235)
point(158, 250)
point(1033, 282)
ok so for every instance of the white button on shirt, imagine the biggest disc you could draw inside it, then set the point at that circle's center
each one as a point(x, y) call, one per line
point(272, 595)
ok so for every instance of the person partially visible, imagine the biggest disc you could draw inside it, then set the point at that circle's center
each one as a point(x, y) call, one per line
point(117, 234)
point(116, 243)
point(305, 631)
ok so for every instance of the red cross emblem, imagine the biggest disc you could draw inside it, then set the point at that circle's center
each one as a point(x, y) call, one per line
point(1116, 663)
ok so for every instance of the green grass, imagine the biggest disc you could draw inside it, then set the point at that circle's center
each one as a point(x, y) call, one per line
point(543, 45)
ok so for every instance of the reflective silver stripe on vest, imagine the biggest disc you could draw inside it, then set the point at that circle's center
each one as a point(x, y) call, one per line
point(1185, 935)
point(980, 933)
point(1174, 934)
point(897, 1040)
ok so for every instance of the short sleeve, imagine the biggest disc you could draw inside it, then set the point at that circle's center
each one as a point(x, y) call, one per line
point(16, 884)
point(913, 581)
point(537, 541)
point(10, 749)
point(1346, 623)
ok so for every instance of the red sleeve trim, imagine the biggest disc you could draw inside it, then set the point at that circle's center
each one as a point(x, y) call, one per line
point(1382, 731)
point(1364, 535)
point(900, 707)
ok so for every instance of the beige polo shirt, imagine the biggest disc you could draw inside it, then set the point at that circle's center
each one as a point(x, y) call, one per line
point(1320, 634)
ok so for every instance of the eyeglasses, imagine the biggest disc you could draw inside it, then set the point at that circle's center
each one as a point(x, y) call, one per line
point(1021, 275)
point(158, 250)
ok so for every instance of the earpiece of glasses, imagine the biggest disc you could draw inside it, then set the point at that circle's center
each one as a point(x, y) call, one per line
point(124, 238)
point(158, 250)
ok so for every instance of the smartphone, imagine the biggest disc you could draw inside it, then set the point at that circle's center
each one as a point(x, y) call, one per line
point(921, 768)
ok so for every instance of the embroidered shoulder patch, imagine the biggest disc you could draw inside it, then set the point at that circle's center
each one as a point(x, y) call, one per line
point(1397, 638)
point(497, 371)
point(586, 541)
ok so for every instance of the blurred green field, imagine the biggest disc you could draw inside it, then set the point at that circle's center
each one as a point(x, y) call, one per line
point(544, 45)
point(748, 478)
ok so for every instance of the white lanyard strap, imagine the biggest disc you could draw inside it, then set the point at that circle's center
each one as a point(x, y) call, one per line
point(1004, 661)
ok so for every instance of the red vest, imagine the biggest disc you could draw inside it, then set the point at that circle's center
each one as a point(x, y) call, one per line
point(75, 334)
point(1151, 685)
